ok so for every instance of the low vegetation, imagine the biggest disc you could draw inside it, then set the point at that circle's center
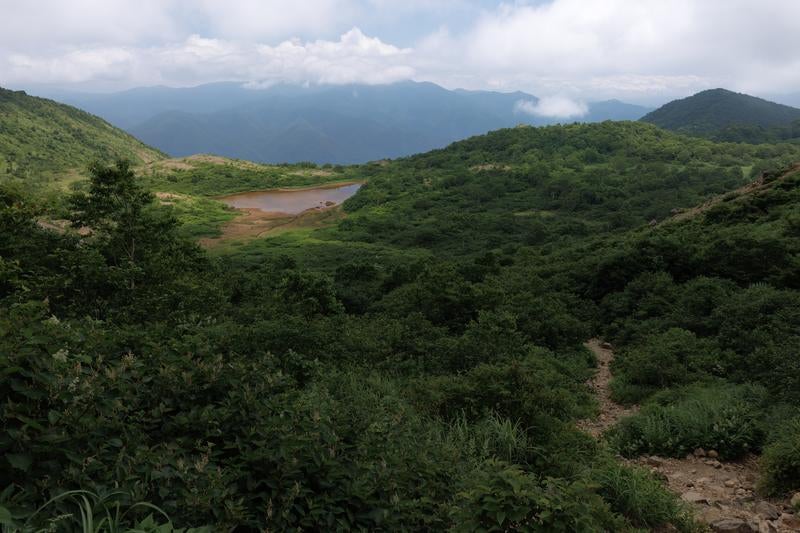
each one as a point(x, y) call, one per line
point(419, 364)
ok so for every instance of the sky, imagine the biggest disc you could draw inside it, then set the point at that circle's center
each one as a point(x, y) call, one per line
point(569, 51)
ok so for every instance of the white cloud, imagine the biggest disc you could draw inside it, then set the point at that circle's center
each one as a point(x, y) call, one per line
point(647, 49)
point(353, 58)
point(552, 107)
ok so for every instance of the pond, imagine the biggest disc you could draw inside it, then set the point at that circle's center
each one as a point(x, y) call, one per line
point(292, 201)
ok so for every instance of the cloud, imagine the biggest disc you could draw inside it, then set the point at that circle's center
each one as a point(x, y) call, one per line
point(353, 58)
point(648, 50)
point(552, 107)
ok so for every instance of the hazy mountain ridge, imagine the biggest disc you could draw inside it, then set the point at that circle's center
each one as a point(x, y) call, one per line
point(342, 124)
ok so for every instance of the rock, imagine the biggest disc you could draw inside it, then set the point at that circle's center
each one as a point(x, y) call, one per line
point(704, 480)
point(730, 483)
point(606, 346)
point(765, 526)
point(693, 471)
point(795, 501)
point(699, 452)
point(689, 457)
point(713, 454)
point(733, 525)
point(789, 521)
point(654, 461)
point(713, 462)
point(767, 510)
point(694, 497)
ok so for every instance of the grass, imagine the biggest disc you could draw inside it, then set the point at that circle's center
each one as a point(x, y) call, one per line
point(89, 512)
point(780, 463)
point(717, 416)
point(199, 217)
point(641, 498)
point(202, 178)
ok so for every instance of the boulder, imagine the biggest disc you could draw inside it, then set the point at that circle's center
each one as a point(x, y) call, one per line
point(767, 510)
point(795, 501)
point(789, 521)
point(694, 497)
point(733, 525)
point(699, 452)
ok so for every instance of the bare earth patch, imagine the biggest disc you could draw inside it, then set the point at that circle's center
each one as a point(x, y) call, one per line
point(610, 412)
point(255, 223)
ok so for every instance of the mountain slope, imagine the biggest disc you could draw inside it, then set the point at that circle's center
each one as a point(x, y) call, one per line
point(42, 136)
point(324, 123)
point(709, 112)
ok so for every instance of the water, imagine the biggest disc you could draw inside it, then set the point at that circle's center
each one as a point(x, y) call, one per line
point(292, 202)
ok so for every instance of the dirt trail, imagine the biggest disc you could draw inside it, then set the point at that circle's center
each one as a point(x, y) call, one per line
point(722, 494)
point(610, 412)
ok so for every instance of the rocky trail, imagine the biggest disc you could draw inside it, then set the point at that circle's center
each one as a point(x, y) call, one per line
point(722, 494)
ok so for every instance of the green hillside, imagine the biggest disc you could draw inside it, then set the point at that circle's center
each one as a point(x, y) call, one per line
point(39, 136)
point(708, 113)
point(419, 365)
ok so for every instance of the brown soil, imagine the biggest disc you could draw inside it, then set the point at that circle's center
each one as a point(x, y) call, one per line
point(255, 223)
point(610, 412)
point(721, 494)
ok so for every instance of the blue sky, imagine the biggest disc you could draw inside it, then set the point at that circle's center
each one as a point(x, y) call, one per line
point(637, 50)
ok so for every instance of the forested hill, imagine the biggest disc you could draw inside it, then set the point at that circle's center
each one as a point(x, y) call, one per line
point(544, 185)
point(713, 112)
point(42, 136)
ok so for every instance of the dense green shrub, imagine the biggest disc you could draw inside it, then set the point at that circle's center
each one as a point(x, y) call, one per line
point(780, 464)
point(721, 417)
point(502, 497)
point(663, 360)
point(636, 494)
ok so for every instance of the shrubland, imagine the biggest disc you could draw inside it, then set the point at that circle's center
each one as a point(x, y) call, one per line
point(417, 366)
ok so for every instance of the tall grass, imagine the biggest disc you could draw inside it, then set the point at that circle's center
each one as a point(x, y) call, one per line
point(89, 512)
point(722, 417)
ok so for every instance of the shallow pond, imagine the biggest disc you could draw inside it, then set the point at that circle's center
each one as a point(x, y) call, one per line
point(292, 201)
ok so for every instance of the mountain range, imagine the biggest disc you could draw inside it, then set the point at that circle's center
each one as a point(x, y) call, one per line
point(322, 124)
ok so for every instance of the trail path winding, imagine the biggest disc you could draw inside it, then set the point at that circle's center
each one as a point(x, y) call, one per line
point(610, 411)
point(721, 494)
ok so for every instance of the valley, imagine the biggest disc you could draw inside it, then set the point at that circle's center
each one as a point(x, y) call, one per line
point(402, 344)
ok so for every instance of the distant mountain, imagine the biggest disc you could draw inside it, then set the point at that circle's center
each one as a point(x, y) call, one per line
point(717, 112)
point(42, 136)
point(323, 124)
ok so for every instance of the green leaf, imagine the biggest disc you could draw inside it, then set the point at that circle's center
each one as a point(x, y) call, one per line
point(20, 461)
point(5, 516)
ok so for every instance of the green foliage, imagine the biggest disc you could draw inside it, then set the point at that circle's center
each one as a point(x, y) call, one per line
point(780, 464)
point(639, 496)
point(724, 115)
point(724, 418)
point(39, 136)
point(502, 497)
point(418, 366)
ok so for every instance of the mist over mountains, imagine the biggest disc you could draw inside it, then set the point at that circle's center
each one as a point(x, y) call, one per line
point(338, 124)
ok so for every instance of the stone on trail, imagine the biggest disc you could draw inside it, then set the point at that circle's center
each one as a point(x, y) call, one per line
point(795, 501)
point(699, 452)
point(767, 510)
point(733, 525)
point(693, 497)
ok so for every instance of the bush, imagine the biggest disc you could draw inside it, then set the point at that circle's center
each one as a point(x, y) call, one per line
point(640, 497)
point(780, 463)
point(671, 358)
point(502, 497)
point(720, 417)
